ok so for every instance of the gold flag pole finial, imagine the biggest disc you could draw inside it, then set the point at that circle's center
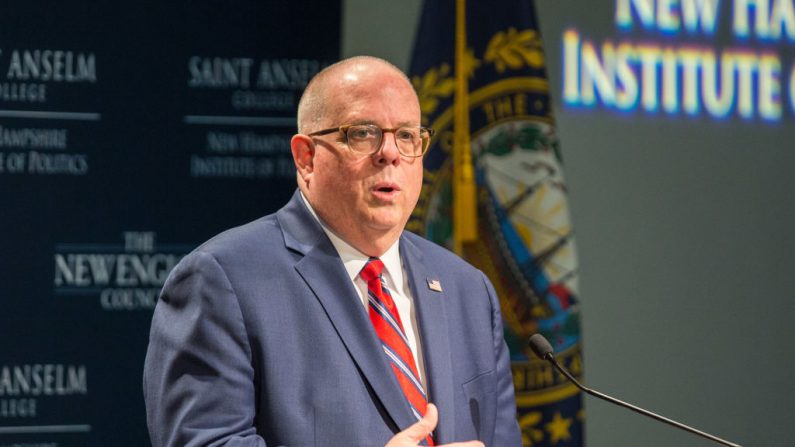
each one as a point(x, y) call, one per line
point(464, 188)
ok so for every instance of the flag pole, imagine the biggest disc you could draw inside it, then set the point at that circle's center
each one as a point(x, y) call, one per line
point(464, 188)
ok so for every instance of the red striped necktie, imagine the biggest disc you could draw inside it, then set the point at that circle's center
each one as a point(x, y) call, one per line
point(389, 328)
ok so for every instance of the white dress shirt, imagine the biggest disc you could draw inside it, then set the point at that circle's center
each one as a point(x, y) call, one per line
point(396, 281)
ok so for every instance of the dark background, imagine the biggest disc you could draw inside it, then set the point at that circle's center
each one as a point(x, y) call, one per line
point(138, 149)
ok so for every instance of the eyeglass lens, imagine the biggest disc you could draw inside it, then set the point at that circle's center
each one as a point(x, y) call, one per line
point(367, 139)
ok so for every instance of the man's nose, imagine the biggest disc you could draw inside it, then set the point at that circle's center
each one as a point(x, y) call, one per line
point(389, 153)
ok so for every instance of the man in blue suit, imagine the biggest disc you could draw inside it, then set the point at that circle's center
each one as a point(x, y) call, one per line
point(274, 334)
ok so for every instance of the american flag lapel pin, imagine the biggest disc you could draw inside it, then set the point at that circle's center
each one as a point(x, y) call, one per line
point(434, 285)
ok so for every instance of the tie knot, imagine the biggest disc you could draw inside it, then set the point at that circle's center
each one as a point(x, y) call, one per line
point(372, 270)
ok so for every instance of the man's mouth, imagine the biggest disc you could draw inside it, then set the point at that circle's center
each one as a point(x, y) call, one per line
point(386, 189)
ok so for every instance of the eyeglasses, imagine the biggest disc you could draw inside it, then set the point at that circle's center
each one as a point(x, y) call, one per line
point(366, 139)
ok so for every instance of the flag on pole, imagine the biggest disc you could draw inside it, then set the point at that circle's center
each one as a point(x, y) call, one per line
point(494, 190)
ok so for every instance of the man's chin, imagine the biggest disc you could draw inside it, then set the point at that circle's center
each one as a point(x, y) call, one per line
point(387, 222)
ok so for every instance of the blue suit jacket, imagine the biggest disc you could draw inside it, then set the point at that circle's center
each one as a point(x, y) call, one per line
point(259, 339)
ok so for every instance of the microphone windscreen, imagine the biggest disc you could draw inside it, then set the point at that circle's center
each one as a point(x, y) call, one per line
point(540, 346)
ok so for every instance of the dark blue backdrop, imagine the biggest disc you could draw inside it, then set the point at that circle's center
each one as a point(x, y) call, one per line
point(129, 133)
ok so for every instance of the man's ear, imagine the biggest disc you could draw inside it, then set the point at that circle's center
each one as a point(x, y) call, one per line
point(303, 149)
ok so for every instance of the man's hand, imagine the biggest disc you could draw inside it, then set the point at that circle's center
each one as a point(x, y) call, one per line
point(413, 435)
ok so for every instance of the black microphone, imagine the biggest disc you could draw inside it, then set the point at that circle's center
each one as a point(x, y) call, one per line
point(543, 350)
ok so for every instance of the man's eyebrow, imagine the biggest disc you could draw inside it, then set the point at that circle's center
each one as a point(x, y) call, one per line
point(363, 121)
point(400, 124)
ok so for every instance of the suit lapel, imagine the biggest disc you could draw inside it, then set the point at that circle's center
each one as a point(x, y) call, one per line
point(325, 274)
point(432, 321)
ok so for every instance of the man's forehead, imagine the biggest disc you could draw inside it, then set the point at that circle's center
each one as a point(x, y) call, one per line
point(357, 88)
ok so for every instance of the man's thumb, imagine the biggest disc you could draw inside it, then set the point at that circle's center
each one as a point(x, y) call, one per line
point(424, 426)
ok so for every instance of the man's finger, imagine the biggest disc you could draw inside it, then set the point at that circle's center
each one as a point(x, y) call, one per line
point(424, 426)
point(418, 431)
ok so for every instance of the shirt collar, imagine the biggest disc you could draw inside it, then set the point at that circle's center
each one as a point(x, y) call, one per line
point(354, 260)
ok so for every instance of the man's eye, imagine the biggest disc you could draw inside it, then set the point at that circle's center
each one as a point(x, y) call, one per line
point(405, 134)
point(361, 133)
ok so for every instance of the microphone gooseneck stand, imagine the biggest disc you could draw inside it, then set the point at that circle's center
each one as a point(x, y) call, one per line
point(543, 349)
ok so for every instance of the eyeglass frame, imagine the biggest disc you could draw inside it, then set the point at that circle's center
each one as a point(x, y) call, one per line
point(345, 127)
